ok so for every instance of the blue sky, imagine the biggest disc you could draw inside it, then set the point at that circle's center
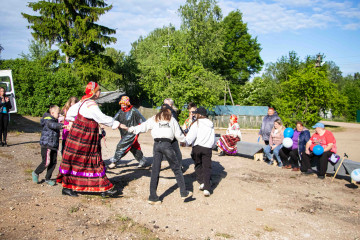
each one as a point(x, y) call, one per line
point(308, 27)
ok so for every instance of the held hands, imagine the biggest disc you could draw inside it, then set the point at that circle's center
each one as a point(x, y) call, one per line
point(123, 126)
point(307, 151)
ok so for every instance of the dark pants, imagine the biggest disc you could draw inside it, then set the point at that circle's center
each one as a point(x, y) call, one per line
point(63, 146)
point(49, 159)
point(285, 153)
point(165, 150)
point(322, 162)
point(4, 122)
point(175, 146)
point(202, 158)
point(120, 151)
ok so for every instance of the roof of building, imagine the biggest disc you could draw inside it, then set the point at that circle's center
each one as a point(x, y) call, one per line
point(239, 110)
point(109, 97)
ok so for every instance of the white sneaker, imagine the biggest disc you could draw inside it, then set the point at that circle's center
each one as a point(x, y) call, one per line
point(206, 193)
point(112, 165)
point(201, 187)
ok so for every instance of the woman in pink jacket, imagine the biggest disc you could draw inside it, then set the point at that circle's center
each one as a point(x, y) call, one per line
point(275, 143)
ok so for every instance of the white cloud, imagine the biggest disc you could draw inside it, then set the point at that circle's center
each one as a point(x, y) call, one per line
point(291, 15)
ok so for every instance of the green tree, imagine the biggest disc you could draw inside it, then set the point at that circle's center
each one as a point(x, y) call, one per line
point(306, 93)
point(259, 92)
point(203, 34)
point(241, 51)
point(38, 87)
point(351, 89)
point(72, 26)
point(283, 68)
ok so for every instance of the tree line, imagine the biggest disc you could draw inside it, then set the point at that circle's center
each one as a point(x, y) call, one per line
point(206, 56)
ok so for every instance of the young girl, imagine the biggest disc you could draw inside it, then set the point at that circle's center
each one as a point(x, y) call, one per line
point(227, 143)
point(164, 128)
point(65, 133)
point(202, 137)
point(275, 143)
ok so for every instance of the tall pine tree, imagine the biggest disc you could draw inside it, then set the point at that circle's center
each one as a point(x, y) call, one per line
point(71, 24)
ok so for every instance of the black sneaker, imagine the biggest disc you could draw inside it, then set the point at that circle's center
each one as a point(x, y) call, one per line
point(155, 201)
point(321, 177)
point(309, 172)
point(188, 194)
point(221, 154)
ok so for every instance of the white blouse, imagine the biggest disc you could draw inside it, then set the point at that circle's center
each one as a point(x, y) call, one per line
point(91, 110)
point(234, 130)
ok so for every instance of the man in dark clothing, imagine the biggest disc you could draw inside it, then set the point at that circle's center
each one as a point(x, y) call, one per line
point(129, 116)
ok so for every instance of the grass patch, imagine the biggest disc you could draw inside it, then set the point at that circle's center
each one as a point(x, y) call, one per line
point(74, 209)
point(15, 132)
point(268, 228)
point(224, 235)
point(6, 156)
point(28, 171)
point(129, 225)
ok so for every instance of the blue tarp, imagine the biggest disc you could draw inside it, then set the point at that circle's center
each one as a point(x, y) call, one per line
point(239, 110)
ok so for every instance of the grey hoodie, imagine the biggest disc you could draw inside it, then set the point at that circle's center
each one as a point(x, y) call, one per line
point(267, 125)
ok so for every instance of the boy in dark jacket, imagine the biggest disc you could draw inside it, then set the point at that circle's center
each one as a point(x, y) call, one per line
point(49, 142)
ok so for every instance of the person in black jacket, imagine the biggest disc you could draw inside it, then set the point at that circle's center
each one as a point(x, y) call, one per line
point(49, 142)
point(5, 106)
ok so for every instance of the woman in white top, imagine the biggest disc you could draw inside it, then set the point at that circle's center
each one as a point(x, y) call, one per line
point(164, 128)
point(227, 143)
point(202, 137)
point(82, 168)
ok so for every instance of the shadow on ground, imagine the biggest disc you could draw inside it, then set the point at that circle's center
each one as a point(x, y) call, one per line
point(24, 124)
point(130, 172)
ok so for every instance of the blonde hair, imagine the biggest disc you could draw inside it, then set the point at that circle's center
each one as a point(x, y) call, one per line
point(68, 105)
point(54, 108)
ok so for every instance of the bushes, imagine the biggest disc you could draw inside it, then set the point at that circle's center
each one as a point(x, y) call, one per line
point(38, 87)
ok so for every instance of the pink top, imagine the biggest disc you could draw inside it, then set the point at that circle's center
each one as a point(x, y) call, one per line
point(276, 136)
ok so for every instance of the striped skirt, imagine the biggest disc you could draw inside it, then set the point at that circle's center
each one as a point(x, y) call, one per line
point(82, 168)
point(227, 144)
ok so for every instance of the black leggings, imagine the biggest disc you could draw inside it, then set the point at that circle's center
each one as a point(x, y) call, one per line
point(4, 122)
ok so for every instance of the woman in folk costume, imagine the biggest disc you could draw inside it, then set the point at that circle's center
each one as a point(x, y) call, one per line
point(129, 116)
point(227, 143)
point(82, 168)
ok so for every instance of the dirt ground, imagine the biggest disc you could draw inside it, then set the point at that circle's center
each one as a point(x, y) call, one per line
point(250, 200)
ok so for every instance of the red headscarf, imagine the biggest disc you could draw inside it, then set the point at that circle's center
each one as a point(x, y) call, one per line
point(234, 118)
point(90, 90)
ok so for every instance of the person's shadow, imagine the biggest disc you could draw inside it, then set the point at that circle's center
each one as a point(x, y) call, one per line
point(125, 176)
point(217, 174)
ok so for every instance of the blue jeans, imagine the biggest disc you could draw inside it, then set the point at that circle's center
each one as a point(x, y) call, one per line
point(269, 153)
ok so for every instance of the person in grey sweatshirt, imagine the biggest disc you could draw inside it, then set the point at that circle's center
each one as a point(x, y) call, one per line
point(164, 128)
point(202, 137)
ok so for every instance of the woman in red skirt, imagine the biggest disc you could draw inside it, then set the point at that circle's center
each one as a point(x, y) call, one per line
point(82, 168)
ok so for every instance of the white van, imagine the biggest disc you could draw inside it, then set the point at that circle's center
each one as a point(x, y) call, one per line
point(6, 81)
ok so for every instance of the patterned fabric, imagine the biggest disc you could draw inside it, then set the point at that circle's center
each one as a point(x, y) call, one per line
point(82, 168)
point(125, 100)
point(227, 144)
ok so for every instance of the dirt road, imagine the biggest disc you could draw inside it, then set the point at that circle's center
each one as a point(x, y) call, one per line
point(250, 200)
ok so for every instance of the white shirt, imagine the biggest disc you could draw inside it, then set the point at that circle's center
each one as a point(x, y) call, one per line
point(91, 110)
point(201, 133)
point(162, 129)
point(234, 130)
